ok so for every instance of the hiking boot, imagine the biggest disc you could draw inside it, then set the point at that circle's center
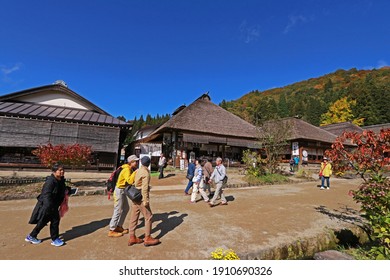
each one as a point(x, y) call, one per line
point(121, 230)
point(32, 240)
point(112, 233)
point(58, 242)
point(150, 241)
point(134, 240)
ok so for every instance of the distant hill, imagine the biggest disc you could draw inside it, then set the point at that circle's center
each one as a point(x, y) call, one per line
point(367, 91)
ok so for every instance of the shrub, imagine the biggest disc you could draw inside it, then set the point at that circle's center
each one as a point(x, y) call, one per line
point(369, 159)
point(73, 155)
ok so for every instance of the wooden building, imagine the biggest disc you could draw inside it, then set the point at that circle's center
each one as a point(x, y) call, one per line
point(201, 129)
point(306, 141)
point(57, 115)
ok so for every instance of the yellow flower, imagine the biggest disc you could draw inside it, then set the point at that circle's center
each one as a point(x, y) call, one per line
point(221, 254)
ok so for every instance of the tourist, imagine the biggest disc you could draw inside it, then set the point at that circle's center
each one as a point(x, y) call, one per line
point(142, 181)
point(47, 208)
point(218, 175)
point(198, 183)
point(325, 173)
point(121, 204)
point(162, 162)
point(207, 171)
point(189, 176)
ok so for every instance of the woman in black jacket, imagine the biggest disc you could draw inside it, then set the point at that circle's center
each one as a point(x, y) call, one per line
point(47, 208)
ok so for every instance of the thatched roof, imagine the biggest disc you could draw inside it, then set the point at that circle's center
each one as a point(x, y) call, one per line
point(204, 117)
point(299, 129)
point(339, 128)
point(377, 127)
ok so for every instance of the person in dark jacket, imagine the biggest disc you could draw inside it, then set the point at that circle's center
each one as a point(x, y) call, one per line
point(47, 208)
point(190, 175)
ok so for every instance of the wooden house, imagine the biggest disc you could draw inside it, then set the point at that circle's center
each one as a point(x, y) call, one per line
point(202, 129)
point(57, 115)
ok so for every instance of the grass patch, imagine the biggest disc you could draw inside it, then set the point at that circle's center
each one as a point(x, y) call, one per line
point(269, 179)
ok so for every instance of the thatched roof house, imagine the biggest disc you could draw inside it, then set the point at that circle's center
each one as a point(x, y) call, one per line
point(339, 128)
point(203, 129)
point(306, 141)
point(57, 115)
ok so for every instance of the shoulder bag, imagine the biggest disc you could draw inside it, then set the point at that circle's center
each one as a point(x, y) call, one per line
point(133, 193)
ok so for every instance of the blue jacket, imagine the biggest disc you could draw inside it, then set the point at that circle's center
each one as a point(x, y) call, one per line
point(191, 169)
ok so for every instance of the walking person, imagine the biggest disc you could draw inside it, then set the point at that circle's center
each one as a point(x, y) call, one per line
point(121, 204)
point(296, 163)
point(218, 175)
point(198, 184)
point(190, 176)
point(325, 173)
point(142, 181)
point(207, 171)
point(47, 208)
point(162, 162)
point(292, 162)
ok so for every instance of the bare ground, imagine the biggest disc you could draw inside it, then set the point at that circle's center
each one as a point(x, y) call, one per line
point(256, 219)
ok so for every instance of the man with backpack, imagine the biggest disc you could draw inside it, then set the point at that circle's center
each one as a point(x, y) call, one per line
point(121, 204)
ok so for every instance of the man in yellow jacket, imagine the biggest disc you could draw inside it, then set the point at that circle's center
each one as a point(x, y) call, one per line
point(325, 173)
point(121, 204)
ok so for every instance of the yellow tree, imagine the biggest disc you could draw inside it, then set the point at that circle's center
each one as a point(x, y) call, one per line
point(340, 111)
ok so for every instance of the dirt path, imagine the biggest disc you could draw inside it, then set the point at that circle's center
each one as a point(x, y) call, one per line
point(256, 218)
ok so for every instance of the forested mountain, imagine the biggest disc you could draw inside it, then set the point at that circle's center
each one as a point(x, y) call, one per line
point(360, 96)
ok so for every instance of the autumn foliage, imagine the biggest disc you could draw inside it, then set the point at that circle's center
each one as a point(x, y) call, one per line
point(369, 158)
point(71, 155)
point(369, 154)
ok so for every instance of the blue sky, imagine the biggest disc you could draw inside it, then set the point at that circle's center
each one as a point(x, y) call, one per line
point(147, 56)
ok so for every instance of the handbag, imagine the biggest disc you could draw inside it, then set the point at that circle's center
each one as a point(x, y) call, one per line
point(189, 176)
point(133, 193)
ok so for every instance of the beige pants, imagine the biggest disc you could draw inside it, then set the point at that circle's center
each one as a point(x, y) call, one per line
point(136, 209)
point(198, 188)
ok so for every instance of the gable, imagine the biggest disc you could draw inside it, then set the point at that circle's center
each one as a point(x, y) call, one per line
point(53, 95)
point(53, 98)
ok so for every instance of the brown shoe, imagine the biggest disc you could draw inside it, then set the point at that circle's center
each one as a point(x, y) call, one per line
point(150, 241)
point(134, 240)
point(121, 230)
point(112, 233)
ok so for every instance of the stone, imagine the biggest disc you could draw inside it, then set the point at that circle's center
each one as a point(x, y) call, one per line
point(332, 255)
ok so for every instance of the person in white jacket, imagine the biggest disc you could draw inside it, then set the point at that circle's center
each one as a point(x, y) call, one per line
point(198, 181)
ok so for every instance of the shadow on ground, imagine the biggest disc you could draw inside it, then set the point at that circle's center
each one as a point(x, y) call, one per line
point(166, 222)
point(85, 229)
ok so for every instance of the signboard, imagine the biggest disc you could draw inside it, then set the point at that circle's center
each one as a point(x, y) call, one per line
point(295, 148)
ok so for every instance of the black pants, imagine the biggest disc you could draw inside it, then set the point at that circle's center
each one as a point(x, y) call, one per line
point(161, 169)
point(54, 219)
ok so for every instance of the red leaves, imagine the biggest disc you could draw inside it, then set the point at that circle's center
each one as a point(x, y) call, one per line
point(73, 155)
point(371, 152)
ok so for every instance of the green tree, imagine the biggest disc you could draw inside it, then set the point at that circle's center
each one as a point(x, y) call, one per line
point(282, 106)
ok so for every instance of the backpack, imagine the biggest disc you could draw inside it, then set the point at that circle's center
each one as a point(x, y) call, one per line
point(111, 182)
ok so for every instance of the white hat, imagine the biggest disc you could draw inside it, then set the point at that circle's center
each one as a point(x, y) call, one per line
point(132, 158)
